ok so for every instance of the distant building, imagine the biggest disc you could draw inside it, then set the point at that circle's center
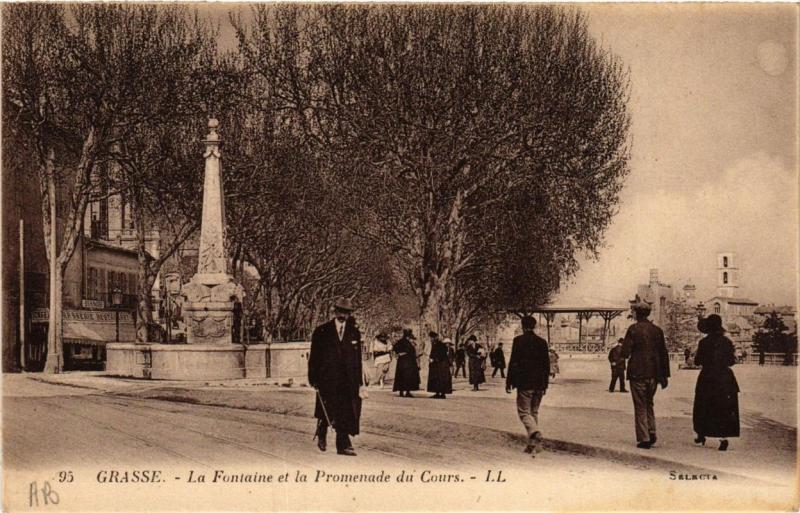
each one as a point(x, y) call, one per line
point(105, 259)
point(658, 295)
point(727, 275)
point(738, 313)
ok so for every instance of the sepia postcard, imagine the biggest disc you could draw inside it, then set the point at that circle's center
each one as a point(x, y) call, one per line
point(399, 257)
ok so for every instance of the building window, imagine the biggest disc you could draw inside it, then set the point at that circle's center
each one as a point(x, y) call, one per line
point(91, 286)
point(132, 284)
point(717, 308)
point(126, 222)
point(724, 261)
point(663, 303)
point(725, 278)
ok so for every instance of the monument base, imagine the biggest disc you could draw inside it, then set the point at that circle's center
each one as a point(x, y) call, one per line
point(280, 361)
point(289, 360)
point(178, 362)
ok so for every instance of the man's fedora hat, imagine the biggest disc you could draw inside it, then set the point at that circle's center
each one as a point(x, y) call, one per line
point(409, 333)
point(382, 337)
point(344, 305)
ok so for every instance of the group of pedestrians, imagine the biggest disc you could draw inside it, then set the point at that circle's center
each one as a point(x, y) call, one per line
point(716, 404)
point(335, 372)
point(445, 364)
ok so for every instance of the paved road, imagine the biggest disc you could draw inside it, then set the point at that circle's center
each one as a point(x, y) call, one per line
point(49, 428)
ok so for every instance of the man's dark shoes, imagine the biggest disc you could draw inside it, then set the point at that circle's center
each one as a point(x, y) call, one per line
point(322, 443)
point(347, 451)
point(534, 443)
point(652, 438)
point(723, 445)
point(644, 445)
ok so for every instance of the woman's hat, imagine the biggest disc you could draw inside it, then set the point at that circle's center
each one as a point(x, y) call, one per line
point(472, 337)
point(383, 337)
point(642, 306)
point(711, 324)
point(447, 340)
point(409, 333)
point(433, 334)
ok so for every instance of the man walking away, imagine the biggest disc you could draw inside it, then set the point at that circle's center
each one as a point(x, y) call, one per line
point(617, 367)
point(461, 361)
point(648, 366)
point(335, 371)
point(528, 372)
point(498, 359)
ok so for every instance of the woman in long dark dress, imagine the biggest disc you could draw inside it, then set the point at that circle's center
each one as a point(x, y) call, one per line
point(440, 382)
point(406, 375)
point(716, 400)
point(476, 362)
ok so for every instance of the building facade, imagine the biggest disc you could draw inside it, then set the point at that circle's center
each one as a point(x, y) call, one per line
point(104, 260)
point(659, 295)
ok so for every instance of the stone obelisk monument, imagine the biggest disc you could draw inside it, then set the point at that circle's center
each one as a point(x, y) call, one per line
point(211, 293)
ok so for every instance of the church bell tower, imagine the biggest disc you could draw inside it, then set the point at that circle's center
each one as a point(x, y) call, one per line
point(727, 275)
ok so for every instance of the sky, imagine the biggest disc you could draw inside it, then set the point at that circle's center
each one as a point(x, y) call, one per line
point(714, 151)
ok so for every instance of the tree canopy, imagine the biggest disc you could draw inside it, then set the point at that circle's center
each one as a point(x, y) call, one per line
point(486, 146)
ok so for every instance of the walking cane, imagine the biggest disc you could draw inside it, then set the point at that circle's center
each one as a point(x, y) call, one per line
point(324, 412)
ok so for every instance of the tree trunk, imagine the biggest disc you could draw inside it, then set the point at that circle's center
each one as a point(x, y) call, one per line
point(145, 276)
point(144, 304)
point(55, 357)
point(54, 362)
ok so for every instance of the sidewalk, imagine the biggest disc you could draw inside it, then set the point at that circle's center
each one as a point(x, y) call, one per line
point(578, 415)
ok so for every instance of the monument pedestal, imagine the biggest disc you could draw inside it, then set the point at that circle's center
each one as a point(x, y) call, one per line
point(279, 361)
point(178, 362)
point(208, 310)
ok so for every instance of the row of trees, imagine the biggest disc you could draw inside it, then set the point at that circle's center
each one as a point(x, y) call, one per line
point(475, 151)
point(774, 337)
point(437, 163)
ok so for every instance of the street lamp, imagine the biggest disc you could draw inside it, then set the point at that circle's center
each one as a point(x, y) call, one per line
point(116, 300)
point(701, 310)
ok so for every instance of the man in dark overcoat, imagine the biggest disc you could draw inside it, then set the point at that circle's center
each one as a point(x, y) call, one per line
point(617, 362)
point(648, 366)
point(461, 361)
point(529, 373)
point(498, 359)
point(334, 370)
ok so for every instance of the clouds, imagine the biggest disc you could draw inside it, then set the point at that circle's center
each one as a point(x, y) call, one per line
point(714, 159)
point(751, 209)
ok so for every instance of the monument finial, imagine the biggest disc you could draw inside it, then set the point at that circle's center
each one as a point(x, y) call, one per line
point(213, 136)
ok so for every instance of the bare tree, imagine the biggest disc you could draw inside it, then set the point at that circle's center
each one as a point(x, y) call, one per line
point(290, 222)
point(60, 107)
point(95, 84)
point(445, 120)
